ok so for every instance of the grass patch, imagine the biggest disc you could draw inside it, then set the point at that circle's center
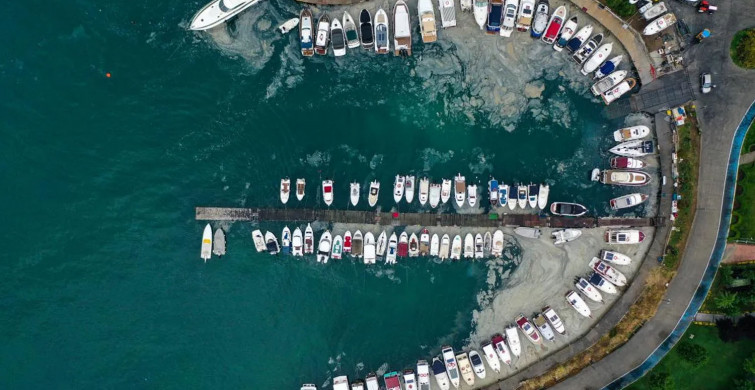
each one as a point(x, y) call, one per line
point(743, 215)
point(749, 143)
point(620, 7)
point(742, 49)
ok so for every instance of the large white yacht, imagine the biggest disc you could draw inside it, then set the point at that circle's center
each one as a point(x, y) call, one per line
point(217, 12)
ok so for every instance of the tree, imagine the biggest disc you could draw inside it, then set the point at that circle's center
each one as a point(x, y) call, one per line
point(744, 51)
point(661, 381)
point(743, 384)
point(693, 353)
point(749, 365)
point(727, 302)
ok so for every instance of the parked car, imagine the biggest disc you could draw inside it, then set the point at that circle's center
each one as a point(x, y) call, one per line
point(705, 82)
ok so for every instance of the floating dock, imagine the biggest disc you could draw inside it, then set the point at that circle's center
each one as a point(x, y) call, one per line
point(421, 219)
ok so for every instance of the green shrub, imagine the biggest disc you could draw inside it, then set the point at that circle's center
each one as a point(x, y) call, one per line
point(661, 381)
point(694, 354)
point(743, 49)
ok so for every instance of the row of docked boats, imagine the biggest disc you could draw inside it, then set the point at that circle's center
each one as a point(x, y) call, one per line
point(604, 276)
point(212, 244)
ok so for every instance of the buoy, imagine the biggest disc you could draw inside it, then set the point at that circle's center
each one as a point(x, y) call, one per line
point(107, 74)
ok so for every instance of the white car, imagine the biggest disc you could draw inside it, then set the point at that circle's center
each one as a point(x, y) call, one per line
point(705, 82)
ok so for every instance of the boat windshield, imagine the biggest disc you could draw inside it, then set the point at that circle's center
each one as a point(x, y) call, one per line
point(381, 34)
point(229, 5)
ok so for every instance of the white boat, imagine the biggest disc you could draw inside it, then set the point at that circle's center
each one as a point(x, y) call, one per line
point(336, 253)
point(497, 247)
point(354, 193)
point(509, 17)
point(578, 304)
point(460, 190)
point(445, 247)
point(424, 242)
point(309, 240)
point(542, 196)
point(493, 192)
point(527, 232)
point(653, 10)
point(424, 190)
point(341, 383)
point(357, 245)
point(579, 39)
point(435, 245)
point(541, 19)
point(479, 245)
point(618, 91)
point(626, 236)
point(526, 12)
point(472, 194)
point(480, 10)
point(501, 349)
point(306, 39)
point(434, 195)
point(300, 186)
point(659, 24)
point(413, 245)
point(567, 32)
point(468, 246)
point(608, 272)
point(555, 24)
point(440, 374)
point(588, 290)
point(626, 201)
point(451, 366)
point(491, 357)
point(530, 331)
point(554, 320)
point(608, 82)
point(447, 13)
point(398, 188)
point(423, 375)
point(327, 192)
point(218, 242)
point(456, 248)
point(543, 327)
point(566, 235)
point(636, 148)
point(522, 196)
point(323, 248)
point(357, 385)
point(465, 367)
point(512, 339)
point(308, 386)
point(350, 29)
point(402, 30)
point(615, 257)
point(370, 252)
point(624, 178)
point(601, 284)
point(372, 198)
point(347, 242)
point(337, 38)
point(390, 255)
point(608, 67)
point(488, 242)
point(512, 195)
point(271, 242)
point(427, 26)
point(206, 250)
point(323, 35)
point(466, 5)
point(286, 240)
point(409, 189)
point(297, 243)
point(568, 209)
point(371, 381)
point(445, 191)
point(382, 42)
point(584, 52)
point(217, 12)
point(477, 365)
point(532, 195)
point(285, 190)
point(259, 240)
point(382, 244)
point(631, 133)
point(595, 174)
point(597, 58)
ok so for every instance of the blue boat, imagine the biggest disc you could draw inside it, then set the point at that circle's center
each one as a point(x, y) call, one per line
point(495, 12)
point(493, 190)
point(608, 67)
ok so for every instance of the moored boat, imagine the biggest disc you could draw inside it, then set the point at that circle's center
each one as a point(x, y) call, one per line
point(626, 201)
point(565, 235)
point(327, 192)
point(554, 320)
point(477, 365)
point(588, 290)
point(540, 22)
point(392, 380)
point(487, 238)
point(626, 163)
point(513, 195)
point(503, 194)
point(403, 244)
point(608, 67)
point(579, 39)
point(460, 189)
point(435, 245)
point(347, 242)
point(371, 381)
point(631, 133)
point(434, 195)
point(410, 380)
point(392, 249)
point(597, 58)
point(413, 245)
point(440, 374)
point(271, 242)
point(427, 26)
point(370, 253)
point(402, 30)
point(624, 178)
point(323, 248)
point(357, 244)
point(618, 91)
point(601, 284)
point(472, 194)
point(512, 339)
point(659, 24)
point(309, 240)
point(532, 192)
point(297, 243)
point(584, 52)
point(568, 209)
point(409, 189)
point(624, 236)
point(608, 82)
point(306, 39)
point(424, 242)
point(530, 331)
point(568, 31)
point(527, 232)
point(300, 186)
point(424, 190)
point(285, 190)
point(205, 252)
point(218, 242)
point(336, 252)
point(323, 35)
point(337, 38)
point(637, 148)
point(286, 241)
point(480, 10)
point(366, 30)
point(218, 12)
point(479, 245)
point(354, 193)
point(554, 25)
point(609, 273)
point(447, 10)
point(398, 188)
point(445, 247)
point(501, 349)
point(308, 386)
point(496, 249)
point(372, 198)
point(542, 196)
point(509, 17)
point(288, 25)
point(615, 257)
point(468, 246)
point(341, 383)
point(465, 368)
point(259, 240)
point(449, 358)
point(456, 247)
point(490, 356)
point(578, 304)
point(382, 244)
point(382, 42)
point(350, 29)
point(445, 191)
point(493, 192)
point(522, 196)
point(525, 14)
point(423, 375)
point(357, 385)
point(545, 329)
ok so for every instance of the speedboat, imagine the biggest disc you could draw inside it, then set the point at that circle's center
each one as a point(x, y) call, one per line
point(570, 27)
point(410, 380)
point(309, 240)
point(366, 30)
point(579, 39)
point(526, 12)
point(493, 191)
point(527, 232)
point(403, 245)
point(509, 17)
point(382, 244)
point(624, 178)
point(626, 163)
point(487, 239)
point(545, 329)
point(540, 22)
point(602, 284)
point(568, 209)
point(597, 58)
point(456, 248)
point(618, 91)
point(271, 242)
point(434, 245)
point(285, 190)
point(468, 246)
point(337, 38)
point(372, 198)
point(588, 290)
point(490, 356)
point(409, 189)
point(308, 386)
point(423, 375)
point(631, 133)
point(382, 44)
point(496, 249)
point(357, 244)
point(447, 13)
point(554, 25)
point(479, 244)
point(259, 240)
point(512, 339)
point(306, 40)
point(501, 349)
point(615, 257)
point(398, 188)
point(503, 194)
point(297, 243)
point(323, 35)
point(347, 242)
point(626, 236)
point(659, 24)
point(495, 13)
point(434, 195)
point(578, 304)
point(341, 383)
point(465, 368)
point(413, 245)
point(445, 191)
point(530, 331)
point(370, 253)
point(584, 52)
point(532, 192)
point(350, 29)
point(608, 272)
point(427, 26)
point(440, 374)
point(554, 320)
point(542, 197)
point(424, 190)
point(357, 385)
point(472, 194)
point(354, 193)
point(300, 185)
point(480, 10)
point(460, 190)
point(522, 196)
point(323, 248)
point(206, 250)
point(336, 253)
point(626, 201)
point(218, 242)
point(513, 195)
point(286, 240)
point(392, 381)
point(217, 12)
point(424, 242)
point(390, 255)
point(402, 30)
point(445, 247)
point(608, 67)
point(608, 82)
point(477, 365)
point(327, 192)
point(371, 381)
point(636, 148)
point(451, 366)
point(565, 235)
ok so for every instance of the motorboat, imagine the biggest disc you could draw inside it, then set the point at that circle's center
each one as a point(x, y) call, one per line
point(532, 192)
point(424, 190)
point(636, 148)
point(327, 192)
point(625, 236)
point(370, 253)
point(479, 244)
point(659, 24)
point(542, 196)
point(567, 32)
point(584, 52)
point(371, 381)
point(297, 243)
point(618, 91)
point(565, 235)
point(554, 320)
point(597, 58)
point(409, 189)
point(382, 244)
point(578, 304)
point(530, 331)
point(522, 196)
point(631, 133)
point(472, 195)
point(218, 242)
point(588, 290)
point(403, 245)
point(337, 38)
point(513, 197)
point(554, 25)
point(402, 30)
point(366, 30)
point(468, 246)
point(398, 188)
point(456, 248)
point(626, 163)
point(493, 192)
point(579, 39)
point(336, 252)
point(460, 189)
point(323, 35)
point(427, 27)
point(501, 349)
point(306, 39)
point(440, 374)
point(341, 383)
point(347, 242)
point(540, 22)
point(300, 185)
point(324, 247)
point(487, 239)
point(543, 327)
point(308, 386)
point(413, 245)
point(503, 194)
point(435, 245)
point(615, 257)
point(653, 10)
point(217, 12)
point(445, 247)
point(423, 375)
point(350, 29)
point(382, 42)
point(526, 12)
point(626, 201)
point(445, 191)
point(466, 5)
point(480, 10)
point(465, 367)
point(424, 242)
point(512, 339)
point(285, 190)
point(608, 82)
point(372, 197)
point(568, 209)
point(495, 14)
point(391, 251)
point(624, 178)
point(434, 195)
point(490, 356)
point(496, 249)
point(205, 252)
point(609, 273)
point(354, 193)
point(286, 241)
point(271, 242)
point(477, 365)
point(357, 385)
point(509, 17)
point(608, 67)
point(259, 240)
point(309, 240)
point(357, 245)
point(410, 379)
point(527, 232)
point(601, 284)
point(392, 380)
point(447, 13)
point(452, 368)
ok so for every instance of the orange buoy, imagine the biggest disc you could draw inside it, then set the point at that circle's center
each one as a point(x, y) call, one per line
point(107, 74)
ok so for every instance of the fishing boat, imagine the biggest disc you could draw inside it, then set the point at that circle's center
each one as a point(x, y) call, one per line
point(410, 380)
point(297, 243)
point(445, 191)
point(487, 239)
point(496, 249)
point(540, 22)
point(300, 185)
point(480, 10)
point(608, 67)
point(382, 42)
point(218, 242)
point(409, 189)
point(626, 163)
point(402, 30)
point(493, 191)
point(501, 349)
point(423, 375)
point(597, 58)
point(424, 190)
point(565, 235)
point(527, 232)
point(631, 133)
point(440, 374)
point(357, 244)
point(271, 242)
point(370, 253)
point(627, 201)
point(554, 25)
point(530, 331)
point(336, 253)
point(526, 12)
point(398, 188)
point(522, 196)
point(578, 304)
point(445, 247)
point(306, 41)
point(403, 245)
point(636, 148)
point(490, 356)
point(465, 368)
point(456, 248)
point(259, 240)
point(447, 13)
point(625, 236)
point(392, 380)
point(217, 12)
point(477, 365)
point(579, 39)
point(584, 52)
point(602, 284)
point(495, 13)
point(512, 201)
point(532, 193)
point(615, 257)
point(554, 320)
point(371, 381)
point(479, 244)
point(337, 38)
point(468, 246)
point(567, 32)
point(366, 30)
point(427, 27)
point(435, 245)
point(568, 209)
point(382, 244)
point(413, 245)
point(323, 248)
point(286, 240)
point(288, 25)
point(392, 250)
point(618, 91)
point(512, 339)
point(327, 192)
point(608, 82)
point(624, 178)
point(588, 290)
point(434, 195)
point(451, 366)
point(323, 35)
point(545, 329)
point(608, 272)
point(460, 190)
point(347, 242)
point(354, 193)
point(205, 252)
point(542, 196)
point(472, 195)
point(659, 24)
point(424, 242)
point(350, 29)
point(509, 17)
point(309, 240)
point(372, 197)
point(285, 190)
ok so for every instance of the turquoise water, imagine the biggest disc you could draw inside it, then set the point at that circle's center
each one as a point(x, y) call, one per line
point(103, 285)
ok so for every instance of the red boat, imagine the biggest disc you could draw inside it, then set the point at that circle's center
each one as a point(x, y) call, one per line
point(392, 381)
point(528, 330)
point(403, 245)
point(554, 26)
point(347, 242)
point(626, 163)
